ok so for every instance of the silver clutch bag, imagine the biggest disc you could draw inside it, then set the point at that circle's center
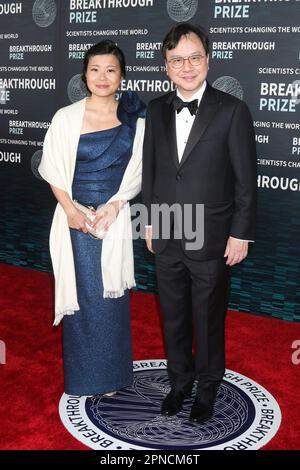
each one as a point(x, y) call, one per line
point(89, 213)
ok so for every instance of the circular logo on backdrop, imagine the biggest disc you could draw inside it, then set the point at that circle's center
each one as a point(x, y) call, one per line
point(182, 10)
point(229, 85)
point(44, 12)
point(35, 162)
point(76, 89)
point(246, 416)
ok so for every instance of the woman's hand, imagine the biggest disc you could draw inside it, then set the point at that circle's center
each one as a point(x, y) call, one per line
point(77, 220)
point(106, 215)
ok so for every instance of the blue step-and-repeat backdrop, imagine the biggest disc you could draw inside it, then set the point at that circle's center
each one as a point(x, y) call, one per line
point(255, 55)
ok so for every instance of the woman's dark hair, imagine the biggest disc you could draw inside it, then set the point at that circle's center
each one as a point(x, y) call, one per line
point(173, 37)
point(102, 48)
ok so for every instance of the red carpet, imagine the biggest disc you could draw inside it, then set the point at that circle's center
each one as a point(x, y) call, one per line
point(31, 379)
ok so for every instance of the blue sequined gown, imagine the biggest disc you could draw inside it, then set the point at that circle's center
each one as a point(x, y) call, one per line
point(97, 349)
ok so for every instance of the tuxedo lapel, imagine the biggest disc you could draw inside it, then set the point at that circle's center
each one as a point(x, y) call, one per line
point(208, 107)
point(170, 128)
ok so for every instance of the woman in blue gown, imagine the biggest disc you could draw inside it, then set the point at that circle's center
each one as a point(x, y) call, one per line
point(97, 352)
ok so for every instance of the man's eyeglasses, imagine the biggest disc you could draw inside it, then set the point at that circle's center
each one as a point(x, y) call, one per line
point(194, 60)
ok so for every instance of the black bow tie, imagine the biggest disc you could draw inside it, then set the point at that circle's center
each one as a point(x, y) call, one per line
point(191, 105)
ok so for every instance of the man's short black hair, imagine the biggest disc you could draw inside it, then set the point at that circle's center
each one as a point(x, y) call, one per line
point(173, 37)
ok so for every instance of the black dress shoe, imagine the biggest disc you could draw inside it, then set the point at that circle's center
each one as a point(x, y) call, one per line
point(203, 406)
point(173, 402)
point(201, 411)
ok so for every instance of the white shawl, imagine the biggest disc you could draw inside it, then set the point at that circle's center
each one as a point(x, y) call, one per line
point(57, 168)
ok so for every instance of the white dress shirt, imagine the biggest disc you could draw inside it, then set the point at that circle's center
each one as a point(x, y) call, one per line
point(185, 121)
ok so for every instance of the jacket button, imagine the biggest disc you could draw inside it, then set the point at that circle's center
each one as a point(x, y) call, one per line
point(178, 177)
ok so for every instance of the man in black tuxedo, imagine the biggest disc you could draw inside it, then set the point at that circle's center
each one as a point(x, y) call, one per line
point(199, 149)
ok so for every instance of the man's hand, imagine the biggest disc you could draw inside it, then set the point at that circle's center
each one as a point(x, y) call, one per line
point(148, 237)
point(236, 251)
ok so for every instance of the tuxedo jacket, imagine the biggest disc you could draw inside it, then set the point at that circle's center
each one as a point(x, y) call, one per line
point(217, 169)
